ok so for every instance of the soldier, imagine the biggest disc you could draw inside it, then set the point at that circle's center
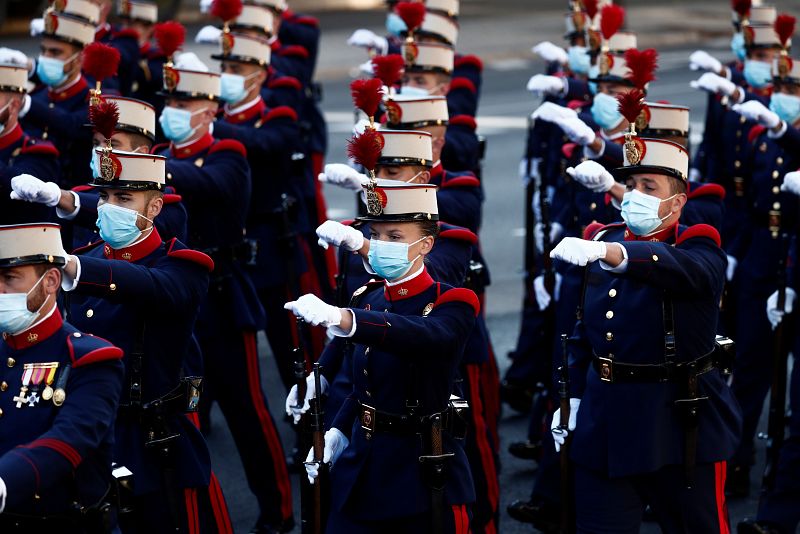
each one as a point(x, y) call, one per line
point(142, 18)
point(55, 450)
point(650, 362)
point(379, 460)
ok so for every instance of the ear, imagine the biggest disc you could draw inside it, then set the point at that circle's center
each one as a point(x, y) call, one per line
point(52, 281)
point(424, 177)
point(679, 202)
point(155, 207)
point(427, 245)
point(438, 143)
point(260, 78)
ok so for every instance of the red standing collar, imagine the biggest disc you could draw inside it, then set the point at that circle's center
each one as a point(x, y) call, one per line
point(255, 110)
point(73, 90)
point(136, 251)
point(667, 235)
point(192, 149)
point(35, 334)
point(409, 288)
point(11, 137)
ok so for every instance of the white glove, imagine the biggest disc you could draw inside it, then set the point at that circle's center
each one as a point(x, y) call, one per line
point(31, 189)
point(208, 35)
point(560, 434)
point(369, 40)
point(550, 52)
point(694, 175)
point(592, 176)
point(538, 234)
point(2, 495)
point(311, 391)
point(714, 83)
point(14, 57)
point(526, 173)
point(360, 126)
point(339, 235)
point(367, 68)
point(753, 110)
point(579, 251)
point(702, 60)
point(37, 27)
point(549, 112)
point(205, 5)
point(542, 84)
point(190, 61)
point(578, 131)
point(775, 315)
point(543, 298)
point(343, 176)
point(791, 183)
point(730, 270)
point(335, 444)
point(314, 310)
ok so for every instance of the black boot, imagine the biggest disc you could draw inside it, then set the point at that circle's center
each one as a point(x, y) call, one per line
point(264, 527)
point(526, 450)
point(542, 515)
point(737, 483)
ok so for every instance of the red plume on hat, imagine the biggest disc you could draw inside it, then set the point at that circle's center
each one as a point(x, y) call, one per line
point(104, 117)
point(170, 37)
point(388, 69)
point(642, 65)
point(612, 17)
point(590, 6)
point(784, 27)
point(631, 104)
point(100, 61)
point(365, 149)
point(412, 13)
point(741, 7)
point(367, 95)
point(226, 11)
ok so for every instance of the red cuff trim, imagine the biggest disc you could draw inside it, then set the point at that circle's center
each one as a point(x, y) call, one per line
point(98, 355)
point(460, 181)
point(459, 294)
point(459, 234)
point(699, 230)
point(172, 198)
point(576, 104)
point(281, 112)
point(463, 83)
point(285, 82)
point(464, 120)
point(592, 230)
point(756, 131)
point(568, 149)
point(228, 144)
point(190, 255)
point(707, 190)
point(294, 51)
point(64, 449)
point(469, 60)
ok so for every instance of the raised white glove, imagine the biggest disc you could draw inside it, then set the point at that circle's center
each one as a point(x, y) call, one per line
point(550, 52)
point(538, 234)
point(360, 126)
point(714, 83)
point(369, 40)
point(578, 251)
point(31, 189)
point(592, 176)
point(14, 57)
point(367, 68)
point(205, 5)
point(694, 175)
point(528, 173)
point(578, 131)
point(314, 310)
point(208, 35)
point(339, 235)
point(753, 110)
point(702, 60)
point(560, 434)
point(292, 409)
point(730, 269)
point(549, 112)
point(190, 61)
point(542, 84)
point(791, 182)
point(343, 176)
point(543, 298)
point(775, 315)
point(335, 444)
point(37, 27)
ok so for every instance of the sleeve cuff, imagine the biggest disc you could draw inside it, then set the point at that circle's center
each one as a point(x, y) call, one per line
point(68, 283)
point(68, 216)
point(591, 154)
point(335, 330)
point(622, 267)
point(2, 495)
point(777, 135)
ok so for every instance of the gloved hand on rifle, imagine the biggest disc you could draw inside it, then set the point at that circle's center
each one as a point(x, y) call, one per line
point(292, 409)
point(538, 235)
point(543, 297)
point(335, 444)
point(560, 434)
point(774, 314)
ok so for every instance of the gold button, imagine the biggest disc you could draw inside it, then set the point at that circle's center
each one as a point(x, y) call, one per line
point(742, 120)
point(76, 334)
point(367, 351)
point(779, 161)
point(169, 176)
point(609, 336)
point(3, 385)
point(112, 287)
point(655, 258)
point(51, 105)
point(366, 373)
point(11, 362)
point(738, 133)
point(593, 206)
point(776, 206)
point(1, 412)
point(368, 435)
point(612, 293)
point(89, 313)
point(737, 163)
point(775, 174)
point(776, 190)
point(609, 314)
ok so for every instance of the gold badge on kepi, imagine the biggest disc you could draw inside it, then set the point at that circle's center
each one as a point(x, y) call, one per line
point(110, 167)
point(643, 120)
point(374, 204)
point(606, 62)
point(58, 5)
point(634, 151)
point(50, 23)
point(227, 43)
point(171, 78)
point(784, 66)
point(394, 111)
point(410, 53)
point(125, 8)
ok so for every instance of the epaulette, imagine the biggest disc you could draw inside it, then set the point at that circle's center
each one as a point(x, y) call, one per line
point(38, 147)
point(293, 51)
point(706, 190)
point(231, 145)
point(280, 112)
point(576, 104)
point(463, 83)
point(285, 82)
point(755, 132)
point(462, 180)
point(188, 254)
point(359, 293)
point(457, 233)
point(602, 229)
point(463, 120)
point(172, 198)
point(469, 60)
point(125, 34)
point(699, 230)
point(86, 349)
point(305, 20)
point(459, 294)
point(158, 148)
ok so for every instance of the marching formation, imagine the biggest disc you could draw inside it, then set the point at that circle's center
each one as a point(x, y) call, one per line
point(157, 211)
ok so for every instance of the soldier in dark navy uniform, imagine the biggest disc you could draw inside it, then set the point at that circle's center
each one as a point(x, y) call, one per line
point(378, 480)
point(59, 390)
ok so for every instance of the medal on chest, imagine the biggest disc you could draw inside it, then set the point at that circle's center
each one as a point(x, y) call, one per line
point(36, 377)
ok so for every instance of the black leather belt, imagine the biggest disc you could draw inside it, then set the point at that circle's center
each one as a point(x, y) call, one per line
point(614, 371)
point(173, 403)
point(373, 420)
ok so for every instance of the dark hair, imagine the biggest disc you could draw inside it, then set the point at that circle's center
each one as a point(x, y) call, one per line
point(677, 186)
point(429, 228)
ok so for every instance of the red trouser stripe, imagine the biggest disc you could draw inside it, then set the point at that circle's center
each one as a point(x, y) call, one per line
point(487, 459)
point(460, 519)
point(192, 521)
point(220, 507)
point(267, 426)
point(720, 470)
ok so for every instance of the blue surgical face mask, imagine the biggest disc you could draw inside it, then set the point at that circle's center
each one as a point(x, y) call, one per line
point(14, 313)
point(737, 46)
point(390, 260)
point(233, 87)
point(757, 73)
point(786, 106)
point(51, 70)
point(640, 212)
point(118, 225)
point(395, 25)
point(94, 164)
point(414, 92)
point(177, 123)
point(594, 71)
point(579, 60)
point(605, 111)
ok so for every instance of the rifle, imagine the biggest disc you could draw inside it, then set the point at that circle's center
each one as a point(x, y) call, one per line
point(314, 523)
point(299, 364)
point(563, 424)
point(530, 222)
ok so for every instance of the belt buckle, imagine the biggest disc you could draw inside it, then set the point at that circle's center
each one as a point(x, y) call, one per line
point(606, 369)
point(368, 418)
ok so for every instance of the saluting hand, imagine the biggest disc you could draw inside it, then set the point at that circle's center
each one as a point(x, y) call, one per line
point(579, 251)
point(343, 176)
point(31, 189)
point(339, 235)
point(315, 311)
